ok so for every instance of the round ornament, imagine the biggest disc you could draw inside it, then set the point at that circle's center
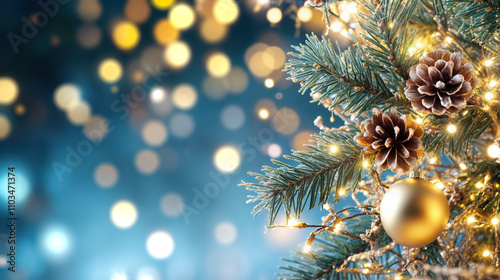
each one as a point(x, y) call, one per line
point(414, 212)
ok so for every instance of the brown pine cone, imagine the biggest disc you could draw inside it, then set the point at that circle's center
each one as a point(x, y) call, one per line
point(441, 84)
point(395, 139)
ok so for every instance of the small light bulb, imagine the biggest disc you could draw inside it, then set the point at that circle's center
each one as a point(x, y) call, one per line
point(263, 114)
point(494, 151)
point(493, 83)
point(486, 253)
point(341, 192)
point(448, 40)
point(419, 45)
point(494, 221)
point(336, 26)
point(293, 222)
point(344, 32)
point(306, 248)
point(412, 50)
point(488, 63)
point(451, 128)
point(398, 277)
point(391, 25)
point(419, 120)
point(365, 164)
point(489, 96)
point(462, 166)
point(334, 149)
point(470, 220)
point(269, 83)
point(365, 271)
point(337, 228)
point(326, 206)
point(433, 160)
point(440, 185)
point(479, 185)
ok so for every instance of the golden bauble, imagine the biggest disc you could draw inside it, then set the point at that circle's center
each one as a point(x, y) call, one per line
point(414, 212)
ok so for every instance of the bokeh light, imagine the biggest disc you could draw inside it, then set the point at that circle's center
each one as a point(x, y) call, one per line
point(274, 150)
point(158, 95)
point(79, 113)
point(305, 14)
point(148, 273)
point(160, 244)
point(88, 36)
point(65, 95)
point(126, 35)
point(227, 159)
point(225, 11)
point(184, 96)
point(181, 125)
point(182, 16)
point(96, 128)
point(154, 133)
point(212, 31)
point(106, 175)
point(225, 233)
point(89, 10)
point(218, 65)
point(55, 242)
point(171, 205)
point(110, 70)
point(162, 4)
point(137, 11)
point(177, 55)
point(147, 161)
point(236, 81)
point(232, 117)
point(123, 214)
point(165, 32)
point(286, 121)
point(5, 127)
point(8, 90)
point(274, 15)
point(265, 108)
point(303, 137)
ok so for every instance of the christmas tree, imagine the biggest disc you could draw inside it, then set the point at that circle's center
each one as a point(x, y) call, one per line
point(418, 93)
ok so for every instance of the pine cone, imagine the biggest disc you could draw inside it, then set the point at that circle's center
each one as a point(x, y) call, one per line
point(395, 139)
point(441, 84)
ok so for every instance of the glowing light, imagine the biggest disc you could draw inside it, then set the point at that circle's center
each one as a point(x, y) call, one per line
point(158, 95)
point(263, 114)
point(162, 4)
point(412, 50)
point(147, 161)
point(494, 221)
point(123, 214)
point(232, 117)
point(306, 248)
point(486, 253)
point(218, 65)
point(326, 206)
point(398, 277)
point(106, 175)
point(8, 91)
point(336, 26)
point(488, 63)
point(177, 55)
point(451, 128)
point(274, 15)
point(225, 233)
point(471, 220)
point(344, 33)
point(448, 40)
point(419, 45)
point(304, 14)
point(286, 121)
point(366, 164)
point(89, 10)
point(433, 160)
point(184, 96)
point(334, 149)
point(419, 120)
point(226, 11)
point(88, 36)
point(154, 133)
point(341, 192)
point(227, 159)
point(462, 166)
point(79, 113)
point(160, 245)
point(366, 270)
point(181, 125)
point(182, 16)
point(269, 83)
point(440, 185)
point(137, 11)
point(20, 109)
point(345, 16)
point(119, 276)
point(165, 32)
point(56, 242)
point(293, 222)
point(274, 150)
point(110, 70)
point(65, 95)
point(352, 7)
point(489, 96)
point(126, 35)
point(172, 205)
point(212, 31)
point(494, 151)
point(493, 83)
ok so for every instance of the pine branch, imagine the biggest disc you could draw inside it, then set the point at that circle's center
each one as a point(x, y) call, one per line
point(345, 77)
point(471, 123)
point(318, 173)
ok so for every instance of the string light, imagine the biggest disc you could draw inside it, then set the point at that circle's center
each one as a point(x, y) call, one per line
point(462, 166)
point(293, 222)
point(306, 248)
point(479, 185)
point(263, 114)
point(494, 221)
point(488, 63)
point(494, 151)
point(448, 40)
point(398, 277)
point(391, 25)
point(336, 26)
point(341, 192)
point(451, 128)
point(493, 83)
point(366, 270)
point(334, 149)
point(471, 219)
point(419, 120)
point(433, 160)
point(440, 185)
point(326, 206)
point(269, 83)
point(489, 96)
point(486, 253)
point(365, 164)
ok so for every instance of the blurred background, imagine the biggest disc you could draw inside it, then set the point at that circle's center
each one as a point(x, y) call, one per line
point(130, 125)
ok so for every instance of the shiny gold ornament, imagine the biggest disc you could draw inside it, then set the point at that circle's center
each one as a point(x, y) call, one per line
point(414, 212)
